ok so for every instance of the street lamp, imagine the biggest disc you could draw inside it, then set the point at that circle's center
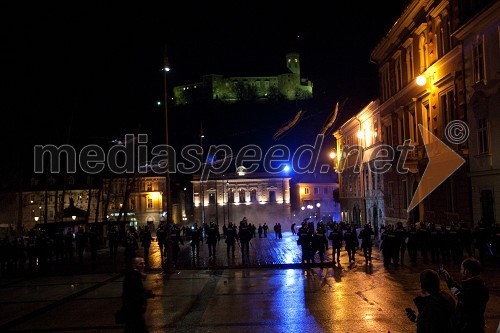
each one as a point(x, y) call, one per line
point(333, 157)
point(228, 203)
point(170, 262)
point(318, 211)
point(421, 80)
point(286, 169)
point(202, 193)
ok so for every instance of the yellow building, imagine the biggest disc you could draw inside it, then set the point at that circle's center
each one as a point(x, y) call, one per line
point(438, 67)
point(135, 201)
point(361, 190)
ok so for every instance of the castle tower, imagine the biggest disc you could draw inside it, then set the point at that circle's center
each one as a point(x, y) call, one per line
point(293, 62)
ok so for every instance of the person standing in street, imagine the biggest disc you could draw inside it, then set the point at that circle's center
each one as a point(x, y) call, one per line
point(135, 297)
point(336, 238)
point(146, 239)
point(472, 295)
point(351, 242)
point(213, 238)
point(81, 241)
point(305, 241)
point(265, 227)
point(320, 242)
point(436, 309)
point(366, 242)
point(231, 238)
point(113, 240)
point(161, 238)
point(244, 235)
point(196, 239)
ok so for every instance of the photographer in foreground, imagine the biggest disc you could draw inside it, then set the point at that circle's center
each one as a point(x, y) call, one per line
point(135, 297)
point(472, 295)
point(436, 309)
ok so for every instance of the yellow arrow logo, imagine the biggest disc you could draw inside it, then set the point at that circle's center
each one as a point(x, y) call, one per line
point(443, 162)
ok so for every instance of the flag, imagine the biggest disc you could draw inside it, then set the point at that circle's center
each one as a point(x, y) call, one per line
point(286, 126)
point(328, 124)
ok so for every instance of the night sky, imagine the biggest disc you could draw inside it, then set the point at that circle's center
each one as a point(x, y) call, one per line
point(98, 67)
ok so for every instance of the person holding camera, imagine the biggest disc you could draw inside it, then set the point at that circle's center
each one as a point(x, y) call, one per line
point(135, 297)
point(436, 309)
point(472, 295)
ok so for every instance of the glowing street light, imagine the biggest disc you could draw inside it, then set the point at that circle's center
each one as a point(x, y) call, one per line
point(421, 80)
point(170, 262)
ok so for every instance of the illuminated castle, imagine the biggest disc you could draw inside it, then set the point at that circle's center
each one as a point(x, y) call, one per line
point(289, 86)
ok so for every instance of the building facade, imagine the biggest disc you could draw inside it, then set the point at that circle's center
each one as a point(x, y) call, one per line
point(361, 185)
point(438, 66)
point(480, 40)
point(421, 45)
point(289, 85)
point(260, 197)
point(136, 201)
point(316, 198)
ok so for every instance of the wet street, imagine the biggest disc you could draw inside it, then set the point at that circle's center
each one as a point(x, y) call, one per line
point(272, 293)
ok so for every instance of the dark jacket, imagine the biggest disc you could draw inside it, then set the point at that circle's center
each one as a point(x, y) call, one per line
point(472, 295)
point(134, 301)
point(436, 313)
point(134, 295)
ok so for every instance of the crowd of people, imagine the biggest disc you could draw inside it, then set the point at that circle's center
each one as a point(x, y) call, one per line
point(399, 244)
point(426, 242)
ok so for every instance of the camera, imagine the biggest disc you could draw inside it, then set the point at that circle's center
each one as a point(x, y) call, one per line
point(410, 313)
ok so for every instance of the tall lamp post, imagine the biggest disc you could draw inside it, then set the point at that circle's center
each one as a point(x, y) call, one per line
point(170, 263)
point(318, 212)
point(201, 182)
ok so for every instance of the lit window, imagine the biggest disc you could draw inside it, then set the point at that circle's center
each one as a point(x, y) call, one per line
point(253, 195)
point(306, 190)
